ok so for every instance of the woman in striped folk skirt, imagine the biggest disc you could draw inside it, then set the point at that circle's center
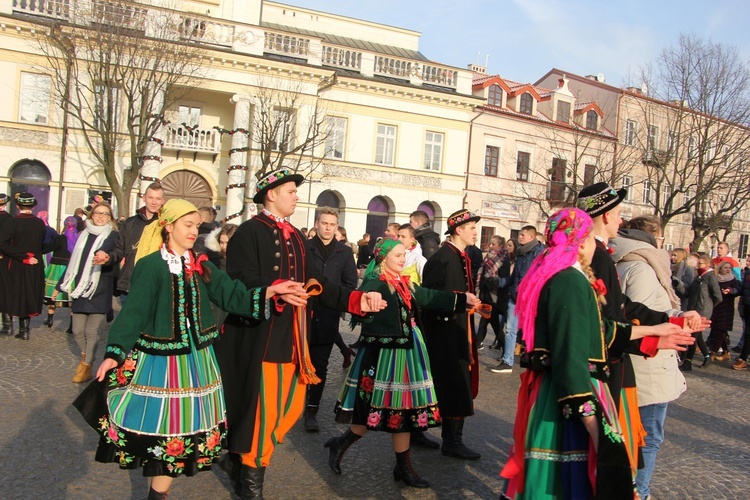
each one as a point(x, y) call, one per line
point(389, 386)
point(158, 401)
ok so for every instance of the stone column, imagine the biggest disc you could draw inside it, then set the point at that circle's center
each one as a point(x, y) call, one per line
point(237, 171)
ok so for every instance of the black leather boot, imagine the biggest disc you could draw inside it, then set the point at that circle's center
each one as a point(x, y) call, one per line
point(231, 464)
point(311, 419)
point(156, 495)
point(406, 473)
point(420, 438)
point(453, 445)
point(23, 328)
point(48, 322)
point(7, 325)
point(252, 481)
point(337, 446)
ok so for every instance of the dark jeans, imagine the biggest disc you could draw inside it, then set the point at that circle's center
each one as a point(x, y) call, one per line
point(700, 342)
point(746, 339)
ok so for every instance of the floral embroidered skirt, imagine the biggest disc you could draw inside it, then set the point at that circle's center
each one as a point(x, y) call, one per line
point(390, 389)
point(558, 462)
point(163, 413)
point(52, 275)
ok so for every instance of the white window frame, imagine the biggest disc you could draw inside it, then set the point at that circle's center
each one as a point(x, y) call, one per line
point(630, 131)
point(335, 143)
point(433, 151)
point(671, 141)
point(193, 114)
point(100, 96)
point(284, 123)
point(627, 183)
point(647, 192)
point(692, 151)
point(520, 177)
point(653, 138)
point(385, 144)
point(499, 161)
point(35, 97)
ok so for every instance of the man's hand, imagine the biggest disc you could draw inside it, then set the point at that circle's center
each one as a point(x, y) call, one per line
point(372, 302)
point(677, 341)
point(694, 322)
point(100, 258)
point(472, 300)
point(291, 292)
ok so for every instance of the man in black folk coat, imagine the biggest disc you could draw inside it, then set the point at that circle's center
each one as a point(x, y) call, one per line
point(449, 340)
point(334, 260)
point(7, 328)
point(264, 364)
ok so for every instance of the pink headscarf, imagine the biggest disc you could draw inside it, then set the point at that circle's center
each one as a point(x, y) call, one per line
point(566, 230)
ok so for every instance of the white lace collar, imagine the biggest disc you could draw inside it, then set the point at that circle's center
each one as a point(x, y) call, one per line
point(173, 260)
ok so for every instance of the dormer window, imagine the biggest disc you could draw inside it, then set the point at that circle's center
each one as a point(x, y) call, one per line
point(592, 120)
point(527, 104)
point(495, 96)
point(563, 111)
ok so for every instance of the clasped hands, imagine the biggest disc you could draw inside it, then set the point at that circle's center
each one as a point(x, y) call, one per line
point(294, 293)
point(672, 336)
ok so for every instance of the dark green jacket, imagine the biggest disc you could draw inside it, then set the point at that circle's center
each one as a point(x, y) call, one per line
point(153, 318)
point(392, 326)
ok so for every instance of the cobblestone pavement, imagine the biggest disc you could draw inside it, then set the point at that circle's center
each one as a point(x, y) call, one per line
point(48, 451)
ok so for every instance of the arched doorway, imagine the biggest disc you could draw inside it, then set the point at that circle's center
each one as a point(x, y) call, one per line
point(30, 176)
point(433, 213)
point(377, 218)
point(189, 186)
point(331, 199)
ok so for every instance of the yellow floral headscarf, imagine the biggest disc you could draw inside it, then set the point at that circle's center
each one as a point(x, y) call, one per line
point(151, 239)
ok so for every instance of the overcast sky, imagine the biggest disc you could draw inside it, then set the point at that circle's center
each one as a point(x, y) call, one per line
point(526, 38)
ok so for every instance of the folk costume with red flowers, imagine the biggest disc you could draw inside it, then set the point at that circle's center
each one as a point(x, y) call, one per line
point(389, 386)
point(163, 407)
point(567, 344)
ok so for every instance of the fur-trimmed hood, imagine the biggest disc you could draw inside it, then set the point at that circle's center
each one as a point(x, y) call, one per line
point(212, 240)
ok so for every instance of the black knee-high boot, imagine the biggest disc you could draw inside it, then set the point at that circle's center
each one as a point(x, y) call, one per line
point(23, 328)
point(406, 473)
point(453, 442)
point(252, 482)
point(7, 324)
point(231, 463)
point(50, 316)
point(337, 446)
point(156, 495)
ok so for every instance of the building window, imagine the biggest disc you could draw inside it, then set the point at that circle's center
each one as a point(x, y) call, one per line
point(527, 104)
point(647, 191)
point(592, 120)
point(742, 253)
point(106, 110)
point(385, 144)
point(522, 166)
point(487, 234)
point(653, 137)
point(283, 125)
point(491, 160)
point(627, 183)
point(336, 138)
point(433, 151)
point(35, 98)
point(666, 192)
point(630, 133)
point(557, 188)
point(563, 111)
point(589, 172)
point(671, 141)
point(189, 115)
point(495, 96)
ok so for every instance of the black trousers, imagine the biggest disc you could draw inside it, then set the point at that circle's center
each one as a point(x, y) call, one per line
point(319, 354)
point(496, 321)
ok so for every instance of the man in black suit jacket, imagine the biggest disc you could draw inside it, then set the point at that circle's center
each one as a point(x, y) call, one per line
point(334, 260)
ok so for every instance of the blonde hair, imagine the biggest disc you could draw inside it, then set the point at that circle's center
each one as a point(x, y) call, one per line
point(680, 255)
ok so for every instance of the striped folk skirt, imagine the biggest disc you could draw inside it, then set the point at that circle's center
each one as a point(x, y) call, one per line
point(52, 276)
point(164, 413)
point(390, 390)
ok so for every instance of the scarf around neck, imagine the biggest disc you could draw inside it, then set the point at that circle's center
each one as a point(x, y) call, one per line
point(90, 274)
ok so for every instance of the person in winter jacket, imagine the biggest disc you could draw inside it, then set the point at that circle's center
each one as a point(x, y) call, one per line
point(722, 318)
point(645, 277)
point(704, 295)
point(428, 239)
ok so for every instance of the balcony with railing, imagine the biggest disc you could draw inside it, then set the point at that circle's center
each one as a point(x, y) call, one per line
point(655, 158)
point(193, 139)
point(557, 193)
point(311, 48)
